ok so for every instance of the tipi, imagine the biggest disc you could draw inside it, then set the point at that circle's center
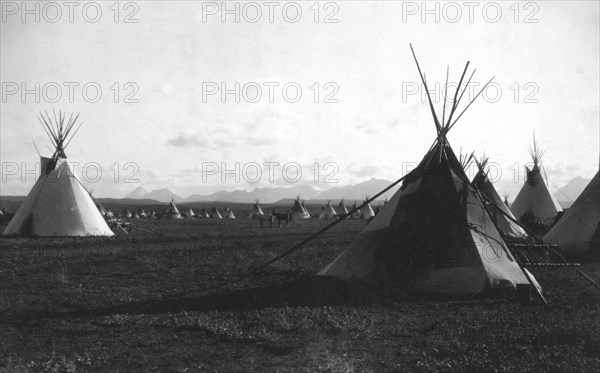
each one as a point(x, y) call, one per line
point(152, 214)
point(229, 213)
point(215, 214)
point(342, 207)
point(328, 212)
point(135, 215)
point(190, 214)
point(578, 231)
point(498, 209)
point(298, 211)
point(534, 198)
point(356, 214)
point(435, 234)
point(142, 213)
point(256, 211)
point(125, 213)
point(172, 212)
point(367, 211)
point(58, 204)
point(203, 214)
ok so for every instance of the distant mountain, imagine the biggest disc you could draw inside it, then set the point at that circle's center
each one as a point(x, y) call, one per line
point(358, 191)
point(163, 195)
point(276, 194)
point(137, 193)
point(265, 195)
point(572, 189)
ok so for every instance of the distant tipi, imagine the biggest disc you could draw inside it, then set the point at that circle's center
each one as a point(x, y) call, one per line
point(256, 211)
point(578, 231)
point(328, 212)
point(298, 211)
point(58, 204)
point(172, 212)
point(534, 199)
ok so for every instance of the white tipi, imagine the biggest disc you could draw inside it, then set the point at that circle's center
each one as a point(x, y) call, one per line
point(534, 199)
point(228, 214)
point(58, 204)
point(298, 211)
point(342, 208)
point(328, 212)
point(367, 211)
point(578, 231)
point(256, 211)
point(172, 212)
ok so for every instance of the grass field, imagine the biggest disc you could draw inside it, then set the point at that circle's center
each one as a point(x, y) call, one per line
point(170, 302)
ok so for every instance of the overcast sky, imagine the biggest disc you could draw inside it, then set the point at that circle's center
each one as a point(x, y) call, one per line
point(544, 56)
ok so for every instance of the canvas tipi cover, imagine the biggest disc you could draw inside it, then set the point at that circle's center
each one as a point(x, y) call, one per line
point(298, 211)
point(434, 235)
point(190, 214)
point(328, 212)
point(366, 212)
point(215, 214)
point(58, 205)
point(498, 209)
point(342, 207)
point(256, 211)
point(578, 231)
point(534, 196)
point(172, 212)
point(229, 214)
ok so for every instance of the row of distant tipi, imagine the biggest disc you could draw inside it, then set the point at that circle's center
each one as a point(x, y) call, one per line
point(171, 212)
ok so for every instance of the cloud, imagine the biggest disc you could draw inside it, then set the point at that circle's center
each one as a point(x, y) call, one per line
point(367, 171)
point(185, 141)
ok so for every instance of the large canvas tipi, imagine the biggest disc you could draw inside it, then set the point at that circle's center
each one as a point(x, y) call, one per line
point(435, 234)
point(298, 211)
point(578, 231)
point(534, 199)
point(328, 212)
point(498, 208)
point(172, 212)
point(256, 211)
point(58, 204)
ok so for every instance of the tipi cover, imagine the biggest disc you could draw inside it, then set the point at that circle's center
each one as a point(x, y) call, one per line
point(190, 214)
point(328, 212)
point(58, 204)
point(578, 231)
point(229, 214)
point(215, 214)
point(498, 209)
point(356, 214)
point(434, 235)
point(298, 211)
point(366, 212)
point(342, 208)
point(534, 196)
point(256, 211)
point(172, 212)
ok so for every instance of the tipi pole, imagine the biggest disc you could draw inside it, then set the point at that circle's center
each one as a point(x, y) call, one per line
point(319, 232)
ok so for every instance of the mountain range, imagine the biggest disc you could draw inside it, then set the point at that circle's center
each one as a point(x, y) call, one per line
point(272, 195)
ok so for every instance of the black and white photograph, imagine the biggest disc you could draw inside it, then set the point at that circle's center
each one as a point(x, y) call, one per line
point(299, 186)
